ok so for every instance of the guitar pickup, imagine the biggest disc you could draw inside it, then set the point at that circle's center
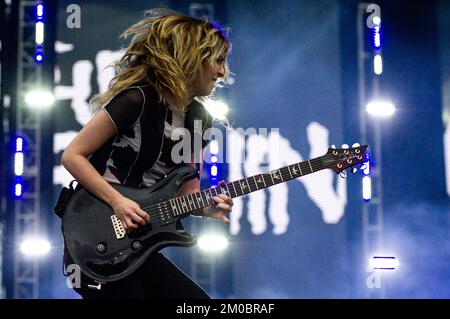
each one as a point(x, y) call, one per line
point(119, 230)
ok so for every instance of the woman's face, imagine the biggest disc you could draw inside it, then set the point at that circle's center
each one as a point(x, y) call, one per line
point(206, 79)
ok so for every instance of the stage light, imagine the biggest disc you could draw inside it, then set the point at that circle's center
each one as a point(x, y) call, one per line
point(377, 64)
point(18, 164)
point(19, 144)
point(367, 188)
point(380, 108)
point(35, 247)
point(214, 147)
point(40, 11)
point(217, 109)
point(39, 57)
point(376, 20)
point(39, 33)
point(39, 98)
point(212, 243)
point(214, 170)
point(214, 159)
point(366, 168)
point(377, 37)
point(384, 262)
point(18, 189)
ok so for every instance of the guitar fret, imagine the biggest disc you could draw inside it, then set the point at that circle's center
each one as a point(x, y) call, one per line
point(180, 207)
point(174, 207)
point(177, 208)
point(205, 198)
point(289, 169)
point(256, 184)
point(192, 201)
point(186, 202)
point(239, 183)
point(198, 199)
point(298, 164)
point(309, 162)
point(281, 175)
point(235, 192)
point(209, 198)
point(223, 191)
point(248, 185)
point(228, 189)
point(262, 177)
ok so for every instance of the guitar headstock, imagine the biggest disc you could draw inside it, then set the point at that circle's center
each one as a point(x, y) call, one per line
point(339, 159)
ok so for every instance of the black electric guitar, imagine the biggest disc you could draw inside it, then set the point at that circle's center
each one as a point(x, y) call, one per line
point(99, 245)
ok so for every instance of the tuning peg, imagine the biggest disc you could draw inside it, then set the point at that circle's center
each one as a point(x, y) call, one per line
point(356, 145)
point(343, 174)
point(344, 146)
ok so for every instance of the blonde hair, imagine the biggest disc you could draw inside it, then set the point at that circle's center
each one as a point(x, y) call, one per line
point(167, 51)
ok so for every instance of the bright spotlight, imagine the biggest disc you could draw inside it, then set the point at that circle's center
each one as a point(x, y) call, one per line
point(367, 188)
point(18, 190)
point(18, 164)
point(39, 11)
point(212, 243)
point(378, 64)
point(35, 247)
point(39, 99)
point(383, 262)
point(214, 147)
point(217, 109)
point(376, 20)
point(39, 33)
point(380, 109)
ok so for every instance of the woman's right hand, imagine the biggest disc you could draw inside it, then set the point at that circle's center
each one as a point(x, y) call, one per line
point(129, 213)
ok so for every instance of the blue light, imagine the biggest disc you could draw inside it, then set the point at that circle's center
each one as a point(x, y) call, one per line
point(39, 57)
point(19, 144)
point(40, 11)
point(18, 190)
point(18, 187)
point(213, 159)
point(213, 170)
point(367, 167)
point(367, 188)
point(377, 37)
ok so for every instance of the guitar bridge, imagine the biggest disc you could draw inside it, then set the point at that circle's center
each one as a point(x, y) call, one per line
point(118, 227)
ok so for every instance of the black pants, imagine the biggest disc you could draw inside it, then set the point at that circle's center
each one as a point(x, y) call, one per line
point(157, 278)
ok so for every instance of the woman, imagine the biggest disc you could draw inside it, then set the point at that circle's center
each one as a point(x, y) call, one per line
point(173, 62)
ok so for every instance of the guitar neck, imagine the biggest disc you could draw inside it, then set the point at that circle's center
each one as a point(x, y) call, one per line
point(185, 205)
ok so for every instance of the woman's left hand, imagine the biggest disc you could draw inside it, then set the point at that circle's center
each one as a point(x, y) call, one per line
point(221, 208)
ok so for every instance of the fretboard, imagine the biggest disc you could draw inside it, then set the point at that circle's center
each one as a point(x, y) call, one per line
point(184, 205)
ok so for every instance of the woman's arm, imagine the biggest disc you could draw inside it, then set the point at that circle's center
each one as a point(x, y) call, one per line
point(96, 133)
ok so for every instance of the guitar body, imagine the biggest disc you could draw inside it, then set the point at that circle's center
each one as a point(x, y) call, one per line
point(92, 241)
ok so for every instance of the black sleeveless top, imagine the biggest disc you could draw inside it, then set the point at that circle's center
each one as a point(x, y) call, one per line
point(149, 139)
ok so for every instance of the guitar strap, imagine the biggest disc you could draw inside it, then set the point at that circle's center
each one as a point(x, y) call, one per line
point(64, 198)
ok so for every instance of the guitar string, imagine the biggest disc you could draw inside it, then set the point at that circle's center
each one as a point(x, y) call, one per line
point(214, 188)
point(156, 216)
point(315, 165)
point(166, 205)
